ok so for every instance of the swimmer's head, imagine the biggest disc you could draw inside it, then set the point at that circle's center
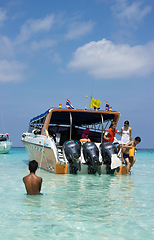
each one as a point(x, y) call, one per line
point(33, 166)
point(137, 140)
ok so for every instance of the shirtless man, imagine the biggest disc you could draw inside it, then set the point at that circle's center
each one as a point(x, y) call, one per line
point(32, 182)
point(125, 153)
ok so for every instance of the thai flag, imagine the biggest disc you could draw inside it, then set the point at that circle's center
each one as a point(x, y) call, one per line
point(107, 106)
point(68, 105)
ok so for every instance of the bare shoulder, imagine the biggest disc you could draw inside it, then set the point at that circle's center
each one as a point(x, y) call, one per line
point(39, 178)
point(129, 144)
point(24, 178)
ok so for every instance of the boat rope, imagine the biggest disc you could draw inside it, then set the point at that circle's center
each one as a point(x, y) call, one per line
point(41, 158)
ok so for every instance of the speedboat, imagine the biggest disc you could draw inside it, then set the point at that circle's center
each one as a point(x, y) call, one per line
point(5, 143)
point(54, 140)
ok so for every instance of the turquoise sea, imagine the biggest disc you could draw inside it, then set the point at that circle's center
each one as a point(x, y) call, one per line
point(77, 206)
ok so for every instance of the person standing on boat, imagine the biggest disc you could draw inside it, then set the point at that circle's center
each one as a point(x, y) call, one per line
point(7, 136)
point(111, 132)
point(32, 182)
point(128, 153)
point(126, 135)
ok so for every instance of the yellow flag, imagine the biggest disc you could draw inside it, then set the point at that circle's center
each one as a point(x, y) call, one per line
point(95, 103)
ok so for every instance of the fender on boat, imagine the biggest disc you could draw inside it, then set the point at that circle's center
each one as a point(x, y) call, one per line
point(122, 170)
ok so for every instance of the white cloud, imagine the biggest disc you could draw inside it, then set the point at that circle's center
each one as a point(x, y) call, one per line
point(105, 60)
point(6, 47)
point(3, 16)
point(45, 43)
point(130, 13)
point(11, 71)
point(78, 29)
point(33, 26)
point(56, 58)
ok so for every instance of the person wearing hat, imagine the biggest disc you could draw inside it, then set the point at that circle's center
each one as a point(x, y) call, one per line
point(85, 137)
point(7, 136)
point(85, 133)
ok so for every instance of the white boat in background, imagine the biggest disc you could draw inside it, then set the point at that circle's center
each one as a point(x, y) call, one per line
point(5, 143)
point(54, 141)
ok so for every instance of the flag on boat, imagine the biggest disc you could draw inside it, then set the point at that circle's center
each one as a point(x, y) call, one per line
point(107, 106)
point(95, 103)
point(69, 105)
point(110, 108)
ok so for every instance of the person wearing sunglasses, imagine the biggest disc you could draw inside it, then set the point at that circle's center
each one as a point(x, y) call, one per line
point(126, 135)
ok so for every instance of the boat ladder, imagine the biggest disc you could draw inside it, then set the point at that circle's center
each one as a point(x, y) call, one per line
point(60, 154)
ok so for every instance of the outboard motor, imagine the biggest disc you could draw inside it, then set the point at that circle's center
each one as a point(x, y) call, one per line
point(72, 151)
point(108, 151)
point(91, 156)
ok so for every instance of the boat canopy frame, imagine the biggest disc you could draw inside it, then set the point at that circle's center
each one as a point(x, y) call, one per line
point(94, 120)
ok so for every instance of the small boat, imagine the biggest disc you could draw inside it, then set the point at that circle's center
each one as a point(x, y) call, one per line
point(5, 143)
point(54, 141)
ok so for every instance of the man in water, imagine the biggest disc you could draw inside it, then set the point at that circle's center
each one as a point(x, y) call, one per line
point(32, 182)
point(129, 160)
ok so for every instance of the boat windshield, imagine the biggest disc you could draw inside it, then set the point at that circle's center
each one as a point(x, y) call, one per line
point(70, 124)
point(3, 137)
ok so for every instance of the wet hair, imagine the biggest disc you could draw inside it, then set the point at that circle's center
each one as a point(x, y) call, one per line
point(138, 139)
point(126, 122)
point(33, 166)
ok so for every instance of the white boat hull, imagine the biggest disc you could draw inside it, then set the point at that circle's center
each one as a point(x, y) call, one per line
point(47, 161)
point(5, 146)
point(45, 152)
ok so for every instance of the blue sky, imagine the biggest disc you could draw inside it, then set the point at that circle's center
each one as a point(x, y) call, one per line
point(54, 50)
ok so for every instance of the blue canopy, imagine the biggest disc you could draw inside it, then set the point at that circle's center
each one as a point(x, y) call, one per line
point(79, 117)
point(40, 116)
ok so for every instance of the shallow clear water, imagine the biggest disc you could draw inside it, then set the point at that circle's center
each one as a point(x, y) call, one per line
point(77, 206)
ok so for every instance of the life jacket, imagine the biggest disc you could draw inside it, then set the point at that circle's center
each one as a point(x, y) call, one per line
point(84, 140)
point(131, 152)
